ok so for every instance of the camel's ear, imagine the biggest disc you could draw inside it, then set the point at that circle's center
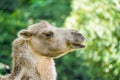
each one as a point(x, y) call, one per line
point(25, 34)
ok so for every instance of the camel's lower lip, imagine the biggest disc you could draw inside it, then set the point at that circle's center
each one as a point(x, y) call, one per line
point(76, 45)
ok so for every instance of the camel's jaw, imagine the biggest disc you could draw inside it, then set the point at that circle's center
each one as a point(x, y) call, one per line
point(78, 45)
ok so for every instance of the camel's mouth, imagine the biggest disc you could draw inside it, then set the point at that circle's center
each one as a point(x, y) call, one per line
point(79, 45)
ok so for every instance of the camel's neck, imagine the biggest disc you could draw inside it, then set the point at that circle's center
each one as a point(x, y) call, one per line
point(40, 67)
point(46, 69)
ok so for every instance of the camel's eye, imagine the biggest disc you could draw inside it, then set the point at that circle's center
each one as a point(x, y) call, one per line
point(48, 34)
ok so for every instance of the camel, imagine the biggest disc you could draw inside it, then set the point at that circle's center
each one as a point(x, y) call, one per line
point(36, 47)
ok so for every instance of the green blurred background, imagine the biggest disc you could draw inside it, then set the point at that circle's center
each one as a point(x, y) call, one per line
point(98, 20)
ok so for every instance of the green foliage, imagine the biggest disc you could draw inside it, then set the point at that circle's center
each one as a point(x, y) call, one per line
point(47, 9)
point(99, 21)
point(8, 30)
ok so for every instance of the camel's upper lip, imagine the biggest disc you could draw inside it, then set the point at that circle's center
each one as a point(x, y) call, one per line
point(79, 45)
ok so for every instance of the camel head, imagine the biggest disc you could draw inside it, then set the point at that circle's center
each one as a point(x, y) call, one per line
point(49, 41)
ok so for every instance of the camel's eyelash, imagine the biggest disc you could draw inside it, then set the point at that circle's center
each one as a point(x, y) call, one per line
point(49, 34)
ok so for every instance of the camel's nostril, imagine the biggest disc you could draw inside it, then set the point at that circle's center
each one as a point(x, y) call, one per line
point(78, 35)
point(81, 36)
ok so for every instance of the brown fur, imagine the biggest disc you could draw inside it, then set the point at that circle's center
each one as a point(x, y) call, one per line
point(33, 51)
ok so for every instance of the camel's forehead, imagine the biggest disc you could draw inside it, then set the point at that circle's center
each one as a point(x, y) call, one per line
point(50, 28)
point(55, 29)
point(46, 28)
point(58, 30)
